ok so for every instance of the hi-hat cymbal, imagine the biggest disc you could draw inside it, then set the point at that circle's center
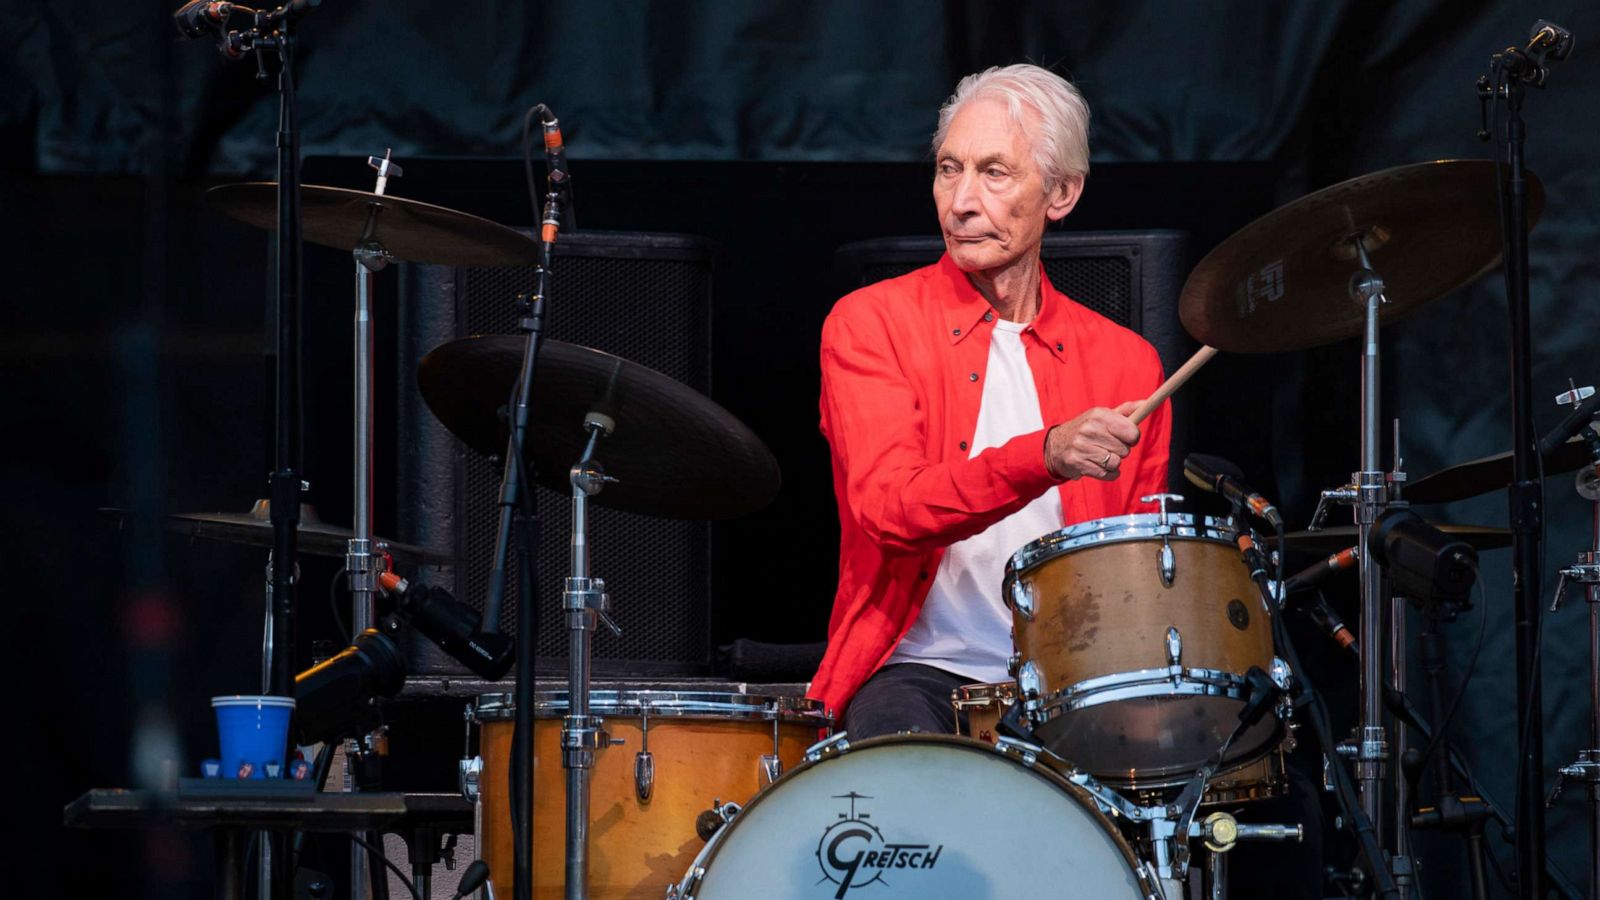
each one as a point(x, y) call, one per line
point(1338, 537)
point(315, 537)
point(1283, 281)
point(674, 452)
point(409, 230)
point(1491, 473)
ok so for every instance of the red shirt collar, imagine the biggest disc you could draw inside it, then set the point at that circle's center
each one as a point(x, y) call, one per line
point(964, 309)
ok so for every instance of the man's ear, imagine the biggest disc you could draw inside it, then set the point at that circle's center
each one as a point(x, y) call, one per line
point(1064, 196)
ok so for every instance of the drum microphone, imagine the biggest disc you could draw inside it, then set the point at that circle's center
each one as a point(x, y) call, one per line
point(455, 627)
point(1311, 575)
point(472, 879)
point(1318, 609)
point(1217, 475)
point(197, 17)
point(559, 213)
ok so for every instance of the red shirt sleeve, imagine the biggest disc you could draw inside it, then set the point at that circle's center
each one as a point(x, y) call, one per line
point(877, 429)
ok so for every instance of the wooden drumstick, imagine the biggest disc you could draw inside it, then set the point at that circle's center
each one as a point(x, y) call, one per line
point(1200, 358)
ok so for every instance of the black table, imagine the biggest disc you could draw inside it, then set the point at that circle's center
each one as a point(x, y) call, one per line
point(233, 817)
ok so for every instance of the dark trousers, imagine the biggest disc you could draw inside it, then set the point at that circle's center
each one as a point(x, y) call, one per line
point(904, 697)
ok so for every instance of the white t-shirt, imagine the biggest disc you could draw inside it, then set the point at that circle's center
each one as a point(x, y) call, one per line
point(965, 625)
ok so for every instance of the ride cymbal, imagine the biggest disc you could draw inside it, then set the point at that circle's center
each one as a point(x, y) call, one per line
point(1283, 281)
point(1490, 473)
point(410, 230)
point(674, 452)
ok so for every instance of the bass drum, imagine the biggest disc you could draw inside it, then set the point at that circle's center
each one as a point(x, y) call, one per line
point(917, 816)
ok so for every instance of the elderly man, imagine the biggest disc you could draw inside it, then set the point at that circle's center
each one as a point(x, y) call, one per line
point(971, 408)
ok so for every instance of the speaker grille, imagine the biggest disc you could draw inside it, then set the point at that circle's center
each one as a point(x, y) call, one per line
point(647, 299)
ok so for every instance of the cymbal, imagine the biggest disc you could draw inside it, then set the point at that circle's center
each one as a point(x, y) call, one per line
point(1490, 473)
point(1338, 537)
point(410, 230)
point(674, 452)
point(1282, 282)
point(315, 537)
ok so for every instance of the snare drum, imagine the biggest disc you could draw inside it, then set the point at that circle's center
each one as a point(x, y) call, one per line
point(1133, 638)
point(680, 752)
point(917, 816)
point(984, 704)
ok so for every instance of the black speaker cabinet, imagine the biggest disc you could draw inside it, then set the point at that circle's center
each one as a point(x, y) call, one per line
point(1131, 277)
point(643, 297)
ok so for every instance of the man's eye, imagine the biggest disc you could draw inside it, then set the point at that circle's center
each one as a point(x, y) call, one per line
point(993, 172)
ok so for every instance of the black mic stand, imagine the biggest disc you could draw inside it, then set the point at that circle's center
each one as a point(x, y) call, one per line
point(1510, 72)
point(273, 32)
point(1454, 811)
point(519, 511)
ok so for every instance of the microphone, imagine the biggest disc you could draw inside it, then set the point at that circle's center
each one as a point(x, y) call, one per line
point(555, 160)
point(1311, 575)
point(1574, 422)
point(1330, 624)
point(197, 17)
point(455, 627)
point(1547, 42)
point(1217, 475)
point(472, 879)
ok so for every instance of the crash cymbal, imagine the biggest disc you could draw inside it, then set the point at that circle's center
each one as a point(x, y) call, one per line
point(674, 452)
point(1282, 282)
point(1491, 473)
point(316, 538)
point(1339, 537)
point(409, 230)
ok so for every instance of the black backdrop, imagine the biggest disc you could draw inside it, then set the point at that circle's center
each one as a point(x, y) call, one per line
point(134, 356)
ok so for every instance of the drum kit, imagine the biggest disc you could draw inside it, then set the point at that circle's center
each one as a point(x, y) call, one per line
point(1154, 691)
point(1153, 698)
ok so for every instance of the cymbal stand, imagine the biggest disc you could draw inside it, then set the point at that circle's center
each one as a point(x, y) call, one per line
point(1586, 572)
point(1368, 494)
point(584, 600)
point(360, 562)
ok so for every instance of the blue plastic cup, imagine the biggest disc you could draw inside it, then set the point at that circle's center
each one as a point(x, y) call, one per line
point(253, 731)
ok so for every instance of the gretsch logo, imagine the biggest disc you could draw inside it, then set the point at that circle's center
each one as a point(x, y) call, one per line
point(853, 852)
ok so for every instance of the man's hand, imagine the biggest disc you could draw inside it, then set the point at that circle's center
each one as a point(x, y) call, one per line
point(1093, 445)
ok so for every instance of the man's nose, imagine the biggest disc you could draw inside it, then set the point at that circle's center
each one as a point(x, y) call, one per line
point(964, 201)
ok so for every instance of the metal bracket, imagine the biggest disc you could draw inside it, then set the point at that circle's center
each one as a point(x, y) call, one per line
point(1344, 496)
point(832, 745)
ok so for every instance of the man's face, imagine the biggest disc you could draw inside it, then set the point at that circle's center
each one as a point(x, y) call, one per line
point(993, 206)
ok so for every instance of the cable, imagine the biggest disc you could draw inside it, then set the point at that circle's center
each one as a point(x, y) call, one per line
point(1366, 838)
point(1443, 725)
point(378, 854)
point(333, 603)
point(527, 157)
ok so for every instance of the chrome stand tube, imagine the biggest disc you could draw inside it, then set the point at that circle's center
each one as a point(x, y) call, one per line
point(360, 565)
point(359, 559)
point(585, 602)
point(1371, 494)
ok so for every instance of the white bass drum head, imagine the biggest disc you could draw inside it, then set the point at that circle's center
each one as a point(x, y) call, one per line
point(914, 816)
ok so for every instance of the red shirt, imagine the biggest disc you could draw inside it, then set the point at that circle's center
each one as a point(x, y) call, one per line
point(902, 368)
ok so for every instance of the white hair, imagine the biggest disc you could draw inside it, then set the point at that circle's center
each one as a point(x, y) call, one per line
point(1061, 148)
